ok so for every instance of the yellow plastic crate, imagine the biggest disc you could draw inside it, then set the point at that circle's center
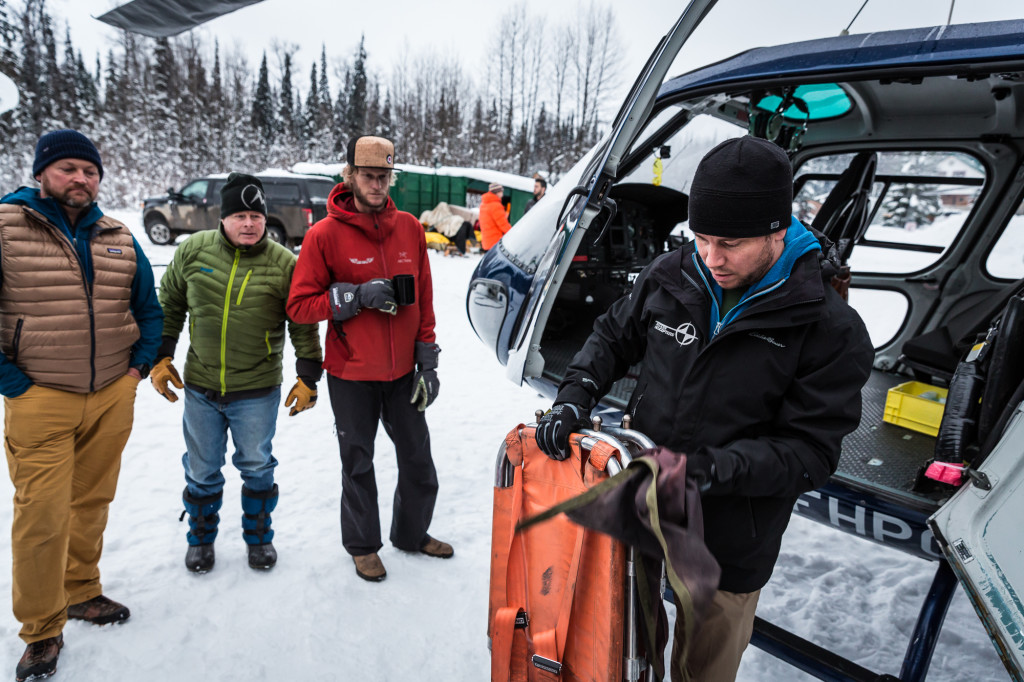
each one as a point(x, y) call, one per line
point(905, 407)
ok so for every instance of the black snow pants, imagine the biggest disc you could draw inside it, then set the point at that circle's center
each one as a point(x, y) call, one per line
point(357, 406)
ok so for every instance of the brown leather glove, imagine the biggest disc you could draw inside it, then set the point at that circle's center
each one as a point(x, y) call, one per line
point(163, 372)
point(302, 395)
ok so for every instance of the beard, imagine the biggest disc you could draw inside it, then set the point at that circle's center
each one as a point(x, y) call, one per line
point(367, 201)
point(82, 198)
point(765, 261)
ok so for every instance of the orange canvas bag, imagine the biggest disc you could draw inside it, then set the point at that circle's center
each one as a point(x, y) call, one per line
point(556, 607)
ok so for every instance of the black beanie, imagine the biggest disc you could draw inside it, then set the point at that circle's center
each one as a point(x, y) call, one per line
point(242, 193)
point(64, 144)
point(742, 188)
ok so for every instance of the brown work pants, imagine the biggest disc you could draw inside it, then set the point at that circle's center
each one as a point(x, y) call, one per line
point(64, 455)
point(718, 646)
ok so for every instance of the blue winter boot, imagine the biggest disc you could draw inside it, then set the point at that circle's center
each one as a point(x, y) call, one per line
point(256, 530)
point(202, 530)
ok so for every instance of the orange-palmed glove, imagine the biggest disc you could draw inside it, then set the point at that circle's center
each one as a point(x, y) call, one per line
point(162, 373)
point(302, 395)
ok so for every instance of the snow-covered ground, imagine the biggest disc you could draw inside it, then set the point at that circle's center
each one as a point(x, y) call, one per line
point(312, 618)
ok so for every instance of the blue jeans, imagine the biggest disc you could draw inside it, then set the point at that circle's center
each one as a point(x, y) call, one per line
point(252, 423)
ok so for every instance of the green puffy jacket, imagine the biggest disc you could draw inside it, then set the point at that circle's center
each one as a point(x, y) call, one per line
point(235, 301)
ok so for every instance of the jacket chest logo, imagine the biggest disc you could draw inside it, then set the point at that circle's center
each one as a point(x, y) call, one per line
point(684, 334)
point(361, 261)
point(403, 257)
point(769, 339)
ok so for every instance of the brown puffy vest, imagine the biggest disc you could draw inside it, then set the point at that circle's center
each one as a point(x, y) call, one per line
point(57, 329)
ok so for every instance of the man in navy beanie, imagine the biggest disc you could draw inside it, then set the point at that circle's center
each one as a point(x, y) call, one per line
point(752, 367)
point(79, 328)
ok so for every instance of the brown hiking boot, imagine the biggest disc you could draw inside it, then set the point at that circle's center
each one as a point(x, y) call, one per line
point(39, 659)
point(436, 548)
point(369, 567)
point(99, 611)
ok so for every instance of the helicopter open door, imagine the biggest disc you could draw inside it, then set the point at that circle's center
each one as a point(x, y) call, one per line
point(588, 206)
point(978, 530)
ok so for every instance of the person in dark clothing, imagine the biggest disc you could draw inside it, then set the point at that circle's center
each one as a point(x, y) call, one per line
point(381, 356)
point(540, 188)
point(752, 366)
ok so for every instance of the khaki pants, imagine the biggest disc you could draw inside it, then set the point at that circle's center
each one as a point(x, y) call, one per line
point(718, 646)
point(64, 455)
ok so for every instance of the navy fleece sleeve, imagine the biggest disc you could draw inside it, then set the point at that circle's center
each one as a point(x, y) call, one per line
point(146, 310)
point(13, 381)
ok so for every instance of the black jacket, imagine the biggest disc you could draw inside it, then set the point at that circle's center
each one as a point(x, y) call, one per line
point(769, 399)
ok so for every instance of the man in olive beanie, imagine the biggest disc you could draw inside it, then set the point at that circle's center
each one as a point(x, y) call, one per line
point(752, 367)
point(79, 328)
point(233, 284)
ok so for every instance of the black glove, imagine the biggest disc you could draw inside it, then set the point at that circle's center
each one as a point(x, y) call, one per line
point(556, 425)
point(701, 468)
point(425, 382)
point(425, 388)
point(348, 299)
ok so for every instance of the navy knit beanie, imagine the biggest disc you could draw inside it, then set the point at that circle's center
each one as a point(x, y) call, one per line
point(65, 144)
point(742, 188)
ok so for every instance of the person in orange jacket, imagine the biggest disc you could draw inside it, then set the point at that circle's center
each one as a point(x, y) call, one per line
point(493, 218)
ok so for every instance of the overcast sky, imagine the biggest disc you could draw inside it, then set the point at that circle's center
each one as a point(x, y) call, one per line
point(463, 27)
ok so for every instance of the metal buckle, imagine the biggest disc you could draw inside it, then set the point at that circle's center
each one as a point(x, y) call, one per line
point(547, 665)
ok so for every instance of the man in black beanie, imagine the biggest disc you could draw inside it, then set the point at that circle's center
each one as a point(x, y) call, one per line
point(79, 327)
point(752, 367)
point(233, 285)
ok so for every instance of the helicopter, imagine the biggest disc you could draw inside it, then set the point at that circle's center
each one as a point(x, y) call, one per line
point(908, 155)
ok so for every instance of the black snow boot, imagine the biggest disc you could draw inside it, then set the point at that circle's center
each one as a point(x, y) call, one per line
point(262, 556)
point(202, 530)
point(256, 530)
point(199, 558)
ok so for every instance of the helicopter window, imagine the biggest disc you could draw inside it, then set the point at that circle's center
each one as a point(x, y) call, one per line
point(1006, 260)
point(919, 203)
point(686, 147)
point(882, 310)
point(655, 124)
point(823, 100)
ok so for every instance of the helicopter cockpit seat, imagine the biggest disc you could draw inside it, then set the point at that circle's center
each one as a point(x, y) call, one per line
point(935, 354)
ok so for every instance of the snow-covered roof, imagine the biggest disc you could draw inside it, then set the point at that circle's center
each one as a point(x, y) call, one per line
point(318, 168)
point(282, 173)
point(279, 173)
point(483, 174)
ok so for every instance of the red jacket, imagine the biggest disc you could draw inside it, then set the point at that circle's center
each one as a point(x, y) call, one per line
point(348, 246)
point(493, 220)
